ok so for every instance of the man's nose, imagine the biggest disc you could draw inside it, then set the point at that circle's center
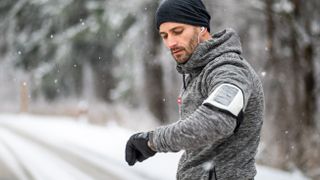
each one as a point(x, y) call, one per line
point(171, 43)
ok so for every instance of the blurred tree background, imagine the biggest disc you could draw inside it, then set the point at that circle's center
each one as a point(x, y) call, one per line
point(108, 52)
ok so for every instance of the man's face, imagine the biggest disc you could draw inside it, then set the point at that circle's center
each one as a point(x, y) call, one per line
point(181, 39)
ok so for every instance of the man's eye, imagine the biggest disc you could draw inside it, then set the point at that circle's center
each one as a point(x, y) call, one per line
point(164, 37)
point(177, 32)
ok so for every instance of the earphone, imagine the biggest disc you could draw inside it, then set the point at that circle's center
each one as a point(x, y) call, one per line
point(202, 29)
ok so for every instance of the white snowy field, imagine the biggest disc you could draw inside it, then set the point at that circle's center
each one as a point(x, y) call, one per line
point(61, 148)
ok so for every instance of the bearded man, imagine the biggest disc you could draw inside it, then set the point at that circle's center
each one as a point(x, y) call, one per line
point(221, 102)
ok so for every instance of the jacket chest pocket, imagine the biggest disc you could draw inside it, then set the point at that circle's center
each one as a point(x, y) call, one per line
point(191, 99)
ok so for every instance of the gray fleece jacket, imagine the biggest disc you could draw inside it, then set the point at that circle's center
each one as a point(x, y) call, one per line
point(214, 146)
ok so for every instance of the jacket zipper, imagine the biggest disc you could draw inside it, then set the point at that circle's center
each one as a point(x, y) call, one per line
point(212, 174)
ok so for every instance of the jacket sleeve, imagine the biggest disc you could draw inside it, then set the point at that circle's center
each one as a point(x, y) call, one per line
point(206, 125)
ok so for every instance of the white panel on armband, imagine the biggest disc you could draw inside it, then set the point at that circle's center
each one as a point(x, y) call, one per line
point(227, 97)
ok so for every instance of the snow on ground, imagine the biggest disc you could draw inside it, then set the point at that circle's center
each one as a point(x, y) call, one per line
point(32, 157)
point(106, 142)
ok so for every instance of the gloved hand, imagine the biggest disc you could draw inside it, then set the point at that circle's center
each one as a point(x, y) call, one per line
point(137, 148)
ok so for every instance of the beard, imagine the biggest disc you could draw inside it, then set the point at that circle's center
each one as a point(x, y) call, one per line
point(184, 53)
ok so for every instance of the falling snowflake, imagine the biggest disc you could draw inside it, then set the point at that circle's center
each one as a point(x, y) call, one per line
point(207, 166)
point(81, 21)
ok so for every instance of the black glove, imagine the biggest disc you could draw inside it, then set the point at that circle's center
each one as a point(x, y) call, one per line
point(137, 148)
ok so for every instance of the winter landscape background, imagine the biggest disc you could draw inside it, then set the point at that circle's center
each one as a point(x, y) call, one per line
point(96, 62)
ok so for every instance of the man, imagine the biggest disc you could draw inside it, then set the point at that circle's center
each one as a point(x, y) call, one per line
point(221, 104)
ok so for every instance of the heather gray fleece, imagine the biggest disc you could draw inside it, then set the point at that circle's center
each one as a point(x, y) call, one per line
point(212, 147)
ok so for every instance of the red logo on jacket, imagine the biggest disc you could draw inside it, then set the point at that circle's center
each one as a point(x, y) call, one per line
point(179, 100)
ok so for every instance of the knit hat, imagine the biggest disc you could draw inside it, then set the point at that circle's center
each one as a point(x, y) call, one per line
point(191, 12)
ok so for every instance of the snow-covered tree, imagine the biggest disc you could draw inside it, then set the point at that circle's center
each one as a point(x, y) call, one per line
point(293, 35)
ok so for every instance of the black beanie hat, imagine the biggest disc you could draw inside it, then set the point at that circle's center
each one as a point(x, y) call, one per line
point(191, 12)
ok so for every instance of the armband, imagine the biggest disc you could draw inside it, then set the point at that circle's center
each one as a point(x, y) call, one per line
point(226, 97)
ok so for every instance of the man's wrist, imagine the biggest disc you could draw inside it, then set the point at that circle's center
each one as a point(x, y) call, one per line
point(150, 142)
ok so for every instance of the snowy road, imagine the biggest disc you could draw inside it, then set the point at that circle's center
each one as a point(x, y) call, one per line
point(68, 163)
point(29, 155)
